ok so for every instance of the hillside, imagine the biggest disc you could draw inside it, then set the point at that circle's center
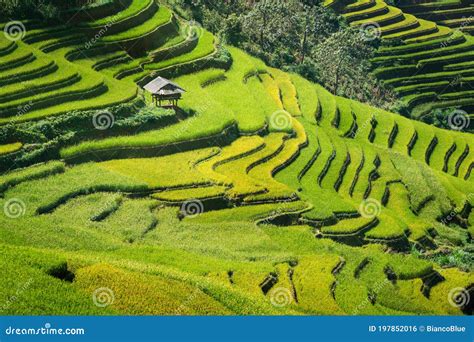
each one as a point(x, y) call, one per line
point(263, 194)
point(430, 62)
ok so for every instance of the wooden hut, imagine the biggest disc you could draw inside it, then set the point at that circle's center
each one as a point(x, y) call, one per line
point(163, 90)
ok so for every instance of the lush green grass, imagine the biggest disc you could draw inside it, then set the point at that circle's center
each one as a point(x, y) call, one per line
point(162, 16)
point(9, 148)
point(130, 11)
point(419, 65)
point(192, 218)
point(204, 48)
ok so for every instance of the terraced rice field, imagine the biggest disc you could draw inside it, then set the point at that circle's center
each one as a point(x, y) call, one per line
point(263, 194)
point(428, 61)
point(457, 14)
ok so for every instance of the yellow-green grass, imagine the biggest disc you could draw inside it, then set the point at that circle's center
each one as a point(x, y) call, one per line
point(29, 289)
point(413, 48)
point(211, 76)
point(392, 15)
point(410, 57)
point(140, 294)
point(20, 56)
point(183, 195)
point(307, 97)
point(264, 172)
point(443, 32)
point(351, 177)
point(40, 85)
point(461, 145)
point(334, 168)
point(249, 108)
point(401, 211)
point(116, 93)
point(378, 8)
point(161, 17)
point(238, 149)
point(38, 68)
point(97, 219)
point(79, 180)
point(77, 90)
point(313, 279)
point(40, 59)
point(204, 48)
point(238, 170)
point(162, 172)
point(18, 176)
point(9, 148)
point(271, 86)
point(135, 7)
point(287, 91)
point(249, 213)
point(349, 226)
point(415, 28)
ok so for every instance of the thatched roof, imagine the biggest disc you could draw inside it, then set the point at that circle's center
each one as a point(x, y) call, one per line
point(162, 86)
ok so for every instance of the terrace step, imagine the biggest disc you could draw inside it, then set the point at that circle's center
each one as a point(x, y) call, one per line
point(380, 8)
point(424, 28)
point(137, 13)
point(392, 17)
point(360, 5)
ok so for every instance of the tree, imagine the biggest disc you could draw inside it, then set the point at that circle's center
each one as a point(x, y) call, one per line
point(301, 36)
point(343, 65)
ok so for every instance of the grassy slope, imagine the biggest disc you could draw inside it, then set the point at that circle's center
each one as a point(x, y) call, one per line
point(119, 224)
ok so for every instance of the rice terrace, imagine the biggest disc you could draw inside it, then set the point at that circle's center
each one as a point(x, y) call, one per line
point(193, 158)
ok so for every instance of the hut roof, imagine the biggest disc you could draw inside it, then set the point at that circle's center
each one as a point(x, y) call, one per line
point(162, 86)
